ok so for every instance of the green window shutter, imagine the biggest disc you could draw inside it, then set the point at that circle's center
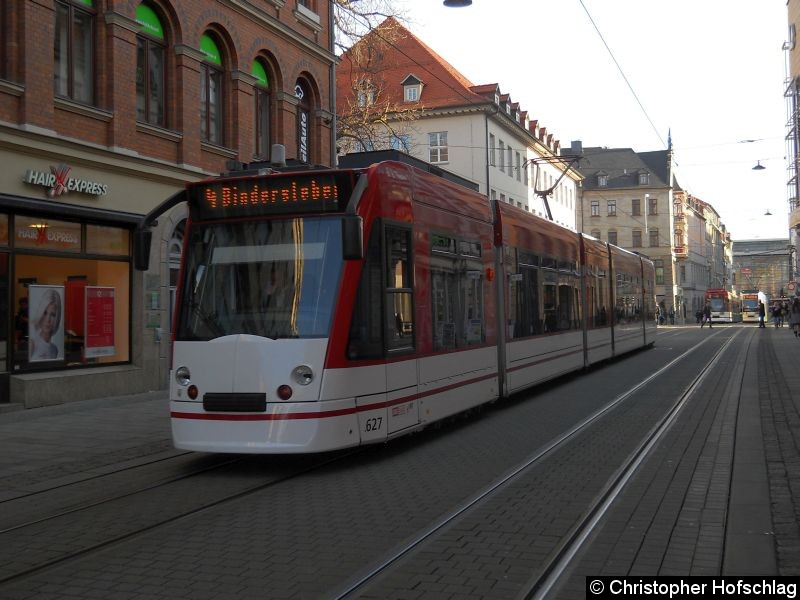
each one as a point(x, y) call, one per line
point(148, 21)
point(209, 48)
point(260, 74)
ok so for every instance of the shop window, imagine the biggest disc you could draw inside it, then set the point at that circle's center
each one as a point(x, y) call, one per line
point(211, 92)
point(263, 110)
point(150, 67)
point(110, 241)
point(78, 312)
point(3, 229)
point(74, 50)
point(39, 233)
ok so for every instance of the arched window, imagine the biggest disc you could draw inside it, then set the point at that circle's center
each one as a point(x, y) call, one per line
point(74, 50)
point(150, 68)
point(3, 41)
point(211, 94)
point(304, 140)
point(263, 110)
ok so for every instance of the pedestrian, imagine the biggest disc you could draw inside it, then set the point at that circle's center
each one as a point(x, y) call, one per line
point(671, 315)
point(776, 315)
point(762, 312)
point(794, 316)
point(706, 316)
point(698, 316)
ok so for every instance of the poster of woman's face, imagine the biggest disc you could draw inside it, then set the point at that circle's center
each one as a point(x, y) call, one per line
point(46, 322)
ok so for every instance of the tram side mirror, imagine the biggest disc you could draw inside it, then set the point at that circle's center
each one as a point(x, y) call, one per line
point(141, 249)
point(352, 237)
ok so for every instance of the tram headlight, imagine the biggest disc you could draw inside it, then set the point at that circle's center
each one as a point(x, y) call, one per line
point(303, 375)
point(183, 376)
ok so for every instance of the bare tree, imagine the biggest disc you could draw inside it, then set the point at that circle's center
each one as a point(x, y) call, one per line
point(369, 113)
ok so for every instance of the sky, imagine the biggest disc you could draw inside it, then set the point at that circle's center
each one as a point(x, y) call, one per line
point(711, 72)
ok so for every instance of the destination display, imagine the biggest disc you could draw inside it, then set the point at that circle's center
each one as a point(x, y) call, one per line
point(271, 194)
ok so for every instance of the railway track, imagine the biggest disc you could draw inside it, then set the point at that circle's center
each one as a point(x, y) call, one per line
point(120, 527)
point(561, 557)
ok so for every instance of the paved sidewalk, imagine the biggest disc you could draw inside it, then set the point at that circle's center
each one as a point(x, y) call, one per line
point(53, 444)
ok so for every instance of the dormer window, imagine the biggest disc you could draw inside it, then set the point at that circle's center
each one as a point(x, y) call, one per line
point(644, 178)
point(412, 89)
point(602, 180)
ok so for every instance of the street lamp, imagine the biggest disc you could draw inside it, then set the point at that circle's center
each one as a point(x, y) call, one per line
point(457, 3)
point(759, 166)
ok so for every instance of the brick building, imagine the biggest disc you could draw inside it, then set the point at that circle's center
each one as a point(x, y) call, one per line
point(107, 107)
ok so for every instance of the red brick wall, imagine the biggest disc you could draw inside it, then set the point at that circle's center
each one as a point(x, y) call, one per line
point(27, 55)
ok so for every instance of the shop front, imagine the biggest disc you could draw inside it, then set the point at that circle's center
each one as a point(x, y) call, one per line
point(77, 321)
point(65, 296)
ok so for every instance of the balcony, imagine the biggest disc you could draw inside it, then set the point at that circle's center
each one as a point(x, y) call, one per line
point(680, 251)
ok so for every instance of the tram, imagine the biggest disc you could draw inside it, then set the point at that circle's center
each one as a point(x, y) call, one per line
point(750, 300)
point(726, 307)
point(328, 308)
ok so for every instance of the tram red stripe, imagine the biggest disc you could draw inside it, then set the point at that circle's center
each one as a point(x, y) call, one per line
point(323, 414)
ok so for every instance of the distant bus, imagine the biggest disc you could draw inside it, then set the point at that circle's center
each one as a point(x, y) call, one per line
point(726, 307)
point(750, 299)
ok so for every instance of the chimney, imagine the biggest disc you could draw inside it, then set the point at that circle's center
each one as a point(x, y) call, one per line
point(576, 147)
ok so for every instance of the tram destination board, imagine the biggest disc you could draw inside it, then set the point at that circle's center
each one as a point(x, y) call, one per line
point(315, 192)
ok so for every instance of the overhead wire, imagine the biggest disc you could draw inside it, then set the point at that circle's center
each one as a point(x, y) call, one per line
point(624, 77)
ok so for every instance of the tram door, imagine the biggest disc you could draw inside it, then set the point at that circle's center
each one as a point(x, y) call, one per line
point(6, 332)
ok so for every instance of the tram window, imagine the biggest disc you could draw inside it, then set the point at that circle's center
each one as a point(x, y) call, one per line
point(444, 290)
point(528, 320)
point(457, 297)
point(550, 301)
point(399, 306)
point(472, 285)
point(366, 328)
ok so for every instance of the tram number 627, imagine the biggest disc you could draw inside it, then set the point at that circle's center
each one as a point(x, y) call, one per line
point(373, 424)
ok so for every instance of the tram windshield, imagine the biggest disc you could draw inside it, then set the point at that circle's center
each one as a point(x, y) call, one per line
point(718, 304)
point(750, 303)
point(276, 278)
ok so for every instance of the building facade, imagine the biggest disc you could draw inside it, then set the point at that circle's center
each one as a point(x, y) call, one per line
point(632, 199)
point(763, 265)
point(409, 98)
point(107, 108)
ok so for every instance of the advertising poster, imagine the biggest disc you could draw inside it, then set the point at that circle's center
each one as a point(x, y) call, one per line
point(45, 322)
point(99, 322)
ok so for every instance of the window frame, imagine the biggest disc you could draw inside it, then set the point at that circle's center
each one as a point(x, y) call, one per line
point(438, 152)
point(73, 9)
point(611, 208)
point(211, 72)
point(262, 96)
point(594, 208)
point(149, 41)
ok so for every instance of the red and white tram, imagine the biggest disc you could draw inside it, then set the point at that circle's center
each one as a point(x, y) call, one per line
point(726, 306)
point(322, 309)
